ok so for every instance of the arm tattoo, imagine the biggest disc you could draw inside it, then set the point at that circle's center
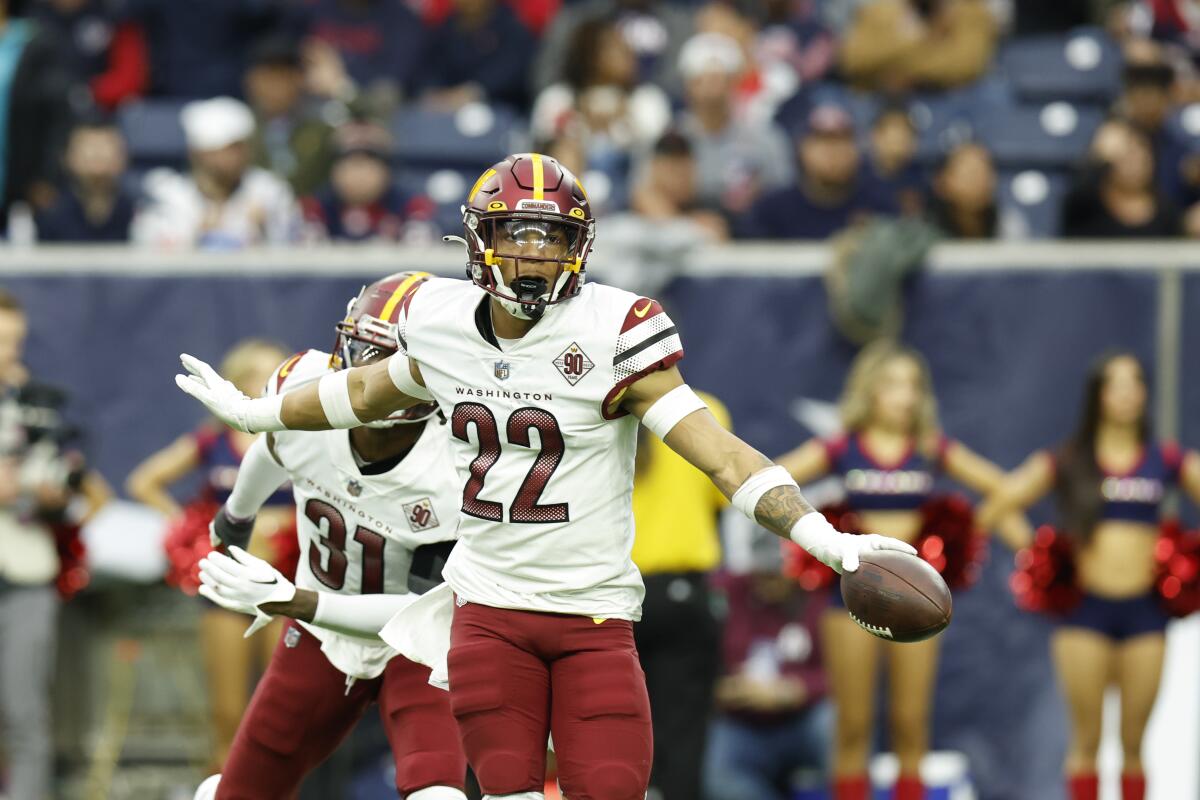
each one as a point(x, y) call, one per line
point(780, 509)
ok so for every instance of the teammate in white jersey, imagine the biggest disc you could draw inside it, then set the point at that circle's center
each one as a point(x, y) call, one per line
point(544, 380)
point(377, 512)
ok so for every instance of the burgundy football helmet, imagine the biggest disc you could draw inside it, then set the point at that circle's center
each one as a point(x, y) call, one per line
point(368, 333)
point(533, 201)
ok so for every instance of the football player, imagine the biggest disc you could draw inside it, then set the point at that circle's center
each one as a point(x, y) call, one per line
point(377, 512)
point(544, 378)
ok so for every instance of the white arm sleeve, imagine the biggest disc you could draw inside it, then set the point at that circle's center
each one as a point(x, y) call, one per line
point(401, 375)
point(361, 615)
point(259, 475)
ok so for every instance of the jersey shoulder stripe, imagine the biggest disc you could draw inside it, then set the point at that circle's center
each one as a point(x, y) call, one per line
point(648, 342)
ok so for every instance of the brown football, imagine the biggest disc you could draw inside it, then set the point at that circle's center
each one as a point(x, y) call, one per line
point(897, 597)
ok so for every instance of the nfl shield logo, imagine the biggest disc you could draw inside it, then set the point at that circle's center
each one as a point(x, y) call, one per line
point(354, 488)
point(502, 369)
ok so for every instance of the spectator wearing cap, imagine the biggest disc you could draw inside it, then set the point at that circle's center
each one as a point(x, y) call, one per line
point(892, 153)
point(291, 139)
point(34, 116)
point(773, 718)
point(481, 52)
point(93, 205)
point(362, 202)
point(223, 202)
point(832, 189)
point(736, 157)
point(963, 201)
point(104, 53)
point(898, 45)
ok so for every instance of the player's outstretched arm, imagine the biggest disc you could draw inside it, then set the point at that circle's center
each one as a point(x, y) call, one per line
point(759, 488)
point(259, 476)
point(343, 399)
point(245, 584)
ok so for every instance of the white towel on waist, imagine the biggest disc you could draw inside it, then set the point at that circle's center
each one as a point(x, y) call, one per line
point(421, 632)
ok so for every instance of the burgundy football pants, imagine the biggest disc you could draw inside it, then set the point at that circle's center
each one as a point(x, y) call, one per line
point(301, 712)
point(517, 676)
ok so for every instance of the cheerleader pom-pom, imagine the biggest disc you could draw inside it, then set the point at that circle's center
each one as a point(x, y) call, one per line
point(950, 542)
point(186, 543)
point(1177, 578)
point(73, 575)
point(807, 571)
point(1044, 580)
point(285, 550)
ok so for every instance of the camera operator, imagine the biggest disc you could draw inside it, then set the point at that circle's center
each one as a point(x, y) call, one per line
point(39, 551)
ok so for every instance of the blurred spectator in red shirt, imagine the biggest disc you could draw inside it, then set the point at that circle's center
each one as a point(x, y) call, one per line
point(481, 52)
point(536, 14)
point(102, 52)
point(362, 201)
point(773, 718)
point(93, 205)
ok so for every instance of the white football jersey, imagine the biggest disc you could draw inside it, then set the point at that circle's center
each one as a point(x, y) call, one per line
point(543, 451)
point(357, 532)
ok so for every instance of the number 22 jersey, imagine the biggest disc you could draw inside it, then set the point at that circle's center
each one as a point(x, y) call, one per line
point(543, 451)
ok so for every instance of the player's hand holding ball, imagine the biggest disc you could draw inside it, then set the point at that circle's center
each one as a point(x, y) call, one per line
point(889, 590)
point(241, 582)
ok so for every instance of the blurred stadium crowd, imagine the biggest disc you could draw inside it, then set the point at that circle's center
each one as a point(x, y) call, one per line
point(237, 122)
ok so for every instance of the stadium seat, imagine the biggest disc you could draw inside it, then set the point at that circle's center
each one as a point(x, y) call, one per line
point(472, 138)
point(1053, 136)
point(153, 133)
point(1083, 66)
point(1030, 203)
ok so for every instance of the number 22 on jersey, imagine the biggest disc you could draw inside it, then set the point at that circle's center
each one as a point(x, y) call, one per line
point(525, 507)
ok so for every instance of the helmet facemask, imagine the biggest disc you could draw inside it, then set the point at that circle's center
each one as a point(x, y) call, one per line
point(523, 238)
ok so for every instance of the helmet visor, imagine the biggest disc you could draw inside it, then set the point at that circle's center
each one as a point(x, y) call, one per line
point(537, 238)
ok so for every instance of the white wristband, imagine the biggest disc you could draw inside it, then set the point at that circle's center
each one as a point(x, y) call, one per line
point(264, 414)
point(334, 391)
point(401, 375)
point(811, 530)
point(746, 498)
point(667, 411)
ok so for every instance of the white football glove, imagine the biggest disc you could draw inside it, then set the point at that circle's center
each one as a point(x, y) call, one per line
point(241, 582)
point(837, 550)
point(226, 401)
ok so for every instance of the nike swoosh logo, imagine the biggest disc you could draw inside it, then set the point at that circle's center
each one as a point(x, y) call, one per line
point(641, 312)
point(265, 583)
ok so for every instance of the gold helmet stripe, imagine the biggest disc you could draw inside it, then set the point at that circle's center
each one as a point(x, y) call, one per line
point(398, 295)
point(539, 177)
point(479, 184)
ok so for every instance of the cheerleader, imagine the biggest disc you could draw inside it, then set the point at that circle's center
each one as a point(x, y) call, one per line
point(231, 662)
point(889, 458)
point(1109, 480)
